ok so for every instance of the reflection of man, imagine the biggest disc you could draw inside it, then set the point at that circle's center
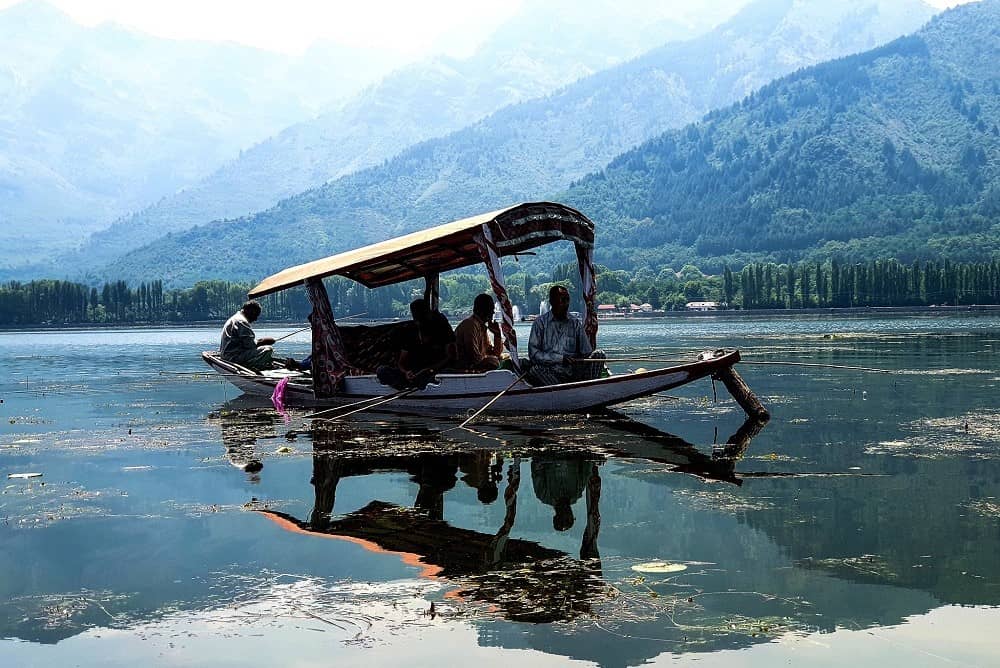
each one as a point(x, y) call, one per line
point(557, 344)
point(424, 350)
point(474, 351)
point(482, 473)
point(560, 482)
point(241, 427)
point(239, 344)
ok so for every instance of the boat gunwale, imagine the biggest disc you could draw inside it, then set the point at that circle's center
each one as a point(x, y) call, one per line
point(695, 370)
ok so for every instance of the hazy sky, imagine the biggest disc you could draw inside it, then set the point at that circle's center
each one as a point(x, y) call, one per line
point(291, 25)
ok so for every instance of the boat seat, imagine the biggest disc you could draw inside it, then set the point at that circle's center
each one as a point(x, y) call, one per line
point(370, 346)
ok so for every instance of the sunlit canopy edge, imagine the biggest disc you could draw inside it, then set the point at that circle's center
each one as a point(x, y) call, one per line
point(442, 248)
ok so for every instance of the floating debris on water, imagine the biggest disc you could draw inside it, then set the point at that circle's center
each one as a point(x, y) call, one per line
point(659, 567)
point(870, 565)
point(986, 508)
point(973, 433)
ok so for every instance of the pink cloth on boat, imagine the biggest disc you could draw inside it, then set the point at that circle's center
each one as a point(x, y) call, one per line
point(278, 398)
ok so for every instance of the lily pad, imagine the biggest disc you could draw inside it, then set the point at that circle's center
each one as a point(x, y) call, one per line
point(659, 567)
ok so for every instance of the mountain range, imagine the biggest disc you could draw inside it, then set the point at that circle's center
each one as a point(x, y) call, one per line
point(545, 45)
point(530, 150)
point(96, 122)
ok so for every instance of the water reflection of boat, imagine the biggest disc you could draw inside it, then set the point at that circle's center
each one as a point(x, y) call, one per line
point(752, 575)
point(605, 434)
point(518, 579)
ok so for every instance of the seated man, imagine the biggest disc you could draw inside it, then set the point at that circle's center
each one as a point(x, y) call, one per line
point(558, 344)
point(239, 345)
point(474, 352)
point(423, 350)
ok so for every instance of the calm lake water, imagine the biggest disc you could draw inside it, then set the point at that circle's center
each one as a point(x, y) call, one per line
point(861, 525)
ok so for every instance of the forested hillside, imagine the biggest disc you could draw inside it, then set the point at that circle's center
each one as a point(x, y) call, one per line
point(527, 151)
point(890, 153)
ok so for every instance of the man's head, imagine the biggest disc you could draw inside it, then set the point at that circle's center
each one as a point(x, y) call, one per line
point(420, 310)
point(559, 301)
point(483, 307)
point(251, 310)
point(563, 518)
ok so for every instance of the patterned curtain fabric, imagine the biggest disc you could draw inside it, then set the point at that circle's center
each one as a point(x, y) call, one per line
point(585, 259)
point(488, 251)
point(432, 289)
point(329, 362)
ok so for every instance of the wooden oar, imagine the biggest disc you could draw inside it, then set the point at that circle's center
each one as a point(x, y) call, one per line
point(370, 403)
point(378, 397)
point(299, 331)
point(490, 402)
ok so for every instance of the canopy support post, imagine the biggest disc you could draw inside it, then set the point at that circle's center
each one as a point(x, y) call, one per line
point(588, 279)
point(329, 361)
point(491, 257)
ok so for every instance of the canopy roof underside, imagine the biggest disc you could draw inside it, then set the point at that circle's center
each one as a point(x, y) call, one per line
point(442, 248)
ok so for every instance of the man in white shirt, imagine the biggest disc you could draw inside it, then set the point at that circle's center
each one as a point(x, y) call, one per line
point(558, 343)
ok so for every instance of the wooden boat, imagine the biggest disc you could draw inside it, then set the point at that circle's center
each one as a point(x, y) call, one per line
point(341, 376)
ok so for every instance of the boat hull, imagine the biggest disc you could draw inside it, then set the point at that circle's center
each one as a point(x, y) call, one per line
point(457, 394)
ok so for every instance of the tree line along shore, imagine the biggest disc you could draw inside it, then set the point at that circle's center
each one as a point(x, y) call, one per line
point(757, 286)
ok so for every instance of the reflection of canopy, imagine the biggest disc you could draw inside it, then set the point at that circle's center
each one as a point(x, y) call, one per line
point(443, 248)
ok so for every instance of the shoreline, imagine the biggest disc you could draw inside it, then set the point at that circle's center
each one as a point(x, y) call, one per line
point(666, 315)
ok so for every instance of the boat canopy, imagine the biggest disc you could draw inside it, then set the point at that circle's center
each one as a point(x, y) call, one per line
point(443, 248)
point(484, 238)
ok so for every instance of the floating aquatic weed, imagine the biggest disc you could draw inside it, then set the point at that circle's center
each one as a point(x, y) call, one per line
point(869, 565)
point(359, 613)
point(984, 507)
point(774, 457)
point(974, 433)
point(944, 372)
point(68, 612)
point(27, 419)
point(722, 500)
point(689, 617)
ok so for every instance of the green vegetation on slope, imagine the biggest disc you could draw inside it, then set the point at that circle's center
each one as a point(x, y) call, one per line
point(890, 153)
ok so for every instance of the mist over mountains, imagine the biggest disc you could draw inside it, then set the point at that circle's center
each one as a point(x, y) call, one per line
point(531, 150)
point(97, 122)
